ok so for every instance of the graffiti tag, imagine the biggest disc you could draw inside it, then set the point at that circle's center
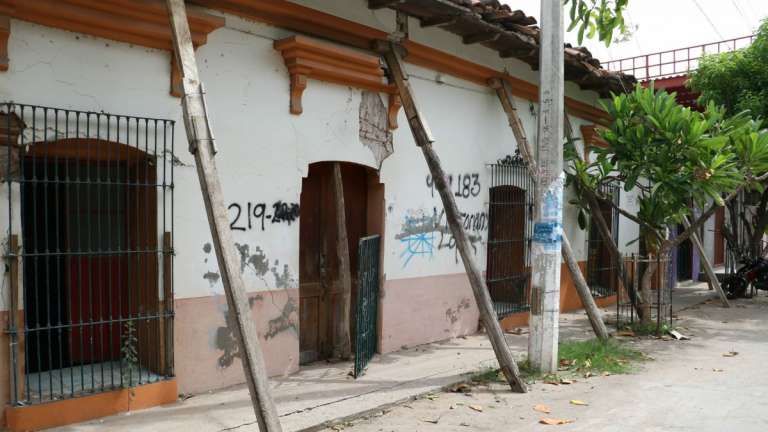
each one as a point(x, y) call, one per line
point(255, 215)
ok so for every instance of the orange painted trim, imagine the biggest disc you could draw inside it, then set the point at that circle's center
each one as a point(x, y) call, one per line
point(69, 411)
point(307, 58)
point(306, 20)
point(592, 138)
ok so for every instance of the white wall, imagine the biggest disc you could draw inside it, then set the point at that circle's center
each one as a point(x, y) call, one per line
point(263, 150)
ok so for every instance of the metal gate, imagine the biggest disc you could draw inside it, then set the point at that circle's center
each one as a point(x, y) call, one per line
point(508, 270)
point(367, 309)
point(602, 268)
point(94, 196)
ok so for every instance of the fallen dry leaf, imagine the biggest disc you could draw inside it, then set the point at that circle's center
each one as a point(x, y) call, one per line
point(717, 370)
point(542, 408)
point(566, 381)
point(428, 420)
point(552, 382)
point(578, 402)
point(431, 396)
point(554, 422)
point(730, 354)
point(477, 408)
point(625, 333)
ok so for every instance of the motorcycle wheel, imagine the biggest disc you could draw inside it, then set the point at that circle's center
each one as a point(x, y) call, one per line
point(734, 287)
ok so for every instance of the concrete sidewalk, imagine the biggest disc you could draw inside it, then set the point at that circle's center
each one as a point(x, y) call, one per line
point(322, 393)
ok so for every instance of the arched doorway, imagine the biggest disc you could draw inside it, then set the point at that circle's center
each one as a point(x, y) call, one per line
point(319, 278)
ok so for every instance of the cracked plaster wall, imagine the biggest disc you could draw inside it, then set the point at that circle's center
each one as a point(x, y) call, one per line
point(263, 150)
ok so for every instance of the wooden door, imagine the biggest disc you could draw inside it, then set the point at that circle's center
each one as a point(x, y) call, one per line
point(319, 287)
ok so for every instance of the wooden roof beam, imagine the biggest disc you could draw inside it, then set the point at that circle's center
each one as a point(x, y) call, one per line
point(481, 37)
point(439, 21)
point(381, 4)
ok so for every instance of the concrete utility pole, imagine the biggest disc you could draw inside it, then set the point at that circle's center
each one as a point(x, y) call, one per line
point(548, 212)
point(201, 145)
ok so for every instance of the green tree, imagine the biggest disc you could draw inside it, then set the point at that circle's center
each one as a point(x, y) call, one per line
point(601, 18)
point(675, 159)
point(738, 81)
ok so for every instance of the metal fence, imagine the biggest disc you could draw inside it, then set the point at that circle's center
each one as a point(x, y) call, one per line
point(602, 268)
point(508, 270)
point(93, 195)
point(659, 301)
point(367, 302)
point(674, 62)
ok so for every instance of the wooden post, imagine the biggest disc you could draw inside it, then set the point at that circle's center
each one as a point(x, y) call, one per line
point(713, 282)
point(201, 145)
point(548, 208)
point(508, 104)
point(424, 140)
point(342, 348)
point(167, 306)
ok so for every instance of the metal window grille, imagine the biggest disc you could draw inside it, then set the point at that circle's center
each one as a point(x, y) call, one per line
point(508, 270)
point(94, 196)
point(602, 268)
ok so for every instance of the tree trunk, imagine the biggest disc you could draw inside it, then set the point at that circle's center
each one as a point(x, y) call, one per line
point(342, 348)
point(646, 292)
point(424, 140)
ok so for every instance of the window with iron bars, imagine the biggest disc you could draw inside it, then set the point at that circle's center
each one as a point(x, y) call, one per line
point(508, 268)
point(602, 268)
point(94, 196)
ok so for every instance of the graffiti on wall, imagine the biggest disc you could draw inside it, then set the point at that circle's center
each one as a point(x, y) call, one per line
point(423, 234)
point(248, 216)
point(464, 185)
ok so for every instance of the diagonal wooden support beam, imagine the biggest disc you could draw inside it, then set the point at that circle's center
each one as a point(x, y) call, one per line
point(424, 139)
point(713, 281)
point(201, 145)
point(507, 101)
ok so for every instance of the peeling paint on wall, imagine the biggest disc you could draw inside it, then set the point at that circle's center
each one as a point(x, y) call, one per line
point(454, 314)
point(286, 320)
point(374, 126)
point(212, 278)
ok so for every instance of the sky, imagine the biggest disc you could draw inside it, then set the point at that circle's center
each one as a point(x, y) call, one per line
point(669, 24)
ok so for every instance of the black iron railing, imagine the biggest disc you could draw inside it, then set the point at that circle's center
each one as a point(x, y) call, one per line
point(508, 269)
point(602, 268)
point(367, 302)
point(93, 195)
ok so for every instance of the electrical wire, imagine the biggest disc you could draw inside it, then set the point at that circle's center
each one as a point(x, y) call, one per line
point(714, 28)
point(738, 9)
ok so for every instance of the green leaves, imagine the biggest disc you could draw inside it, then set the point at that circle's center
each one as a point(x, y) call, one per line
point(673, 157)
point(737, 80)
point(597, 17)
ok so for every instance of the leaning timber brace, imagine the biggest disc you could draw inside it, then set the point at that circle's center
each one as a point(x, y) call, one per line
point(508, 105)
point(713, 281)
point(201, 146)
point(424, 140)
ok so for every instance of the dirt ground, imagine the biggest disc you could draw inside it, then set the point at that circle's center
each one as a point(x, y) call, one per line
point(686, 386)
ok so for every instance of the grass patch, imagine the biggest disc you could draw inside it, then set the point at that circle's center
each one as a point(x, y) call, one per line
point(590, 357)
point(649, 329)
point(597, 357)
